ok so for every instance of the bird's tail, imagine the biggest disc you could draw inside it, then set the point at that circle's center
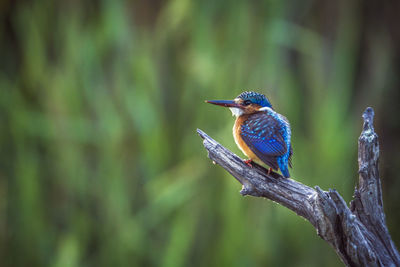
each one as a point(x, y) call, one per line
point(285, 172)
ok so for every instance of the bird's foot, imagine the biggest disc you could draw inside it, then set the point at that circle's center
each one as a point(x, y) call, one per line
point(248, 163)
point(269, 171)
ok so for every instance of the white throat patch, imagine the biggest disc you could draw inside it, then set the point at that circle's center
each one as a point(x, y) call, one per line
point(236, 111)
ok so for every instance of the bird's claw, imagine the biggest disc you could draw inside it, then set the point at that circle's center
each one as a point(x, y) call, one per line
point(248, 163)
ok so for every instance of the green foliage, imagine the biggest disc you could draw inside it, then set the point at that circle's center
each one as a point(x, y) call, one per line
point(100, 161)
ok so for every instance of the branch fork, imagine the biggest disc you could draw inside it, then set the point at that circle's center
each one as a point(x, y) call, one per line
point(358, 234)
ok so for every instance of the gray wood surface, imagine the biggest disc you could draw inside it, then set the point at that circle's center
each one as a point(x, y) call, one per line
point(357, 233)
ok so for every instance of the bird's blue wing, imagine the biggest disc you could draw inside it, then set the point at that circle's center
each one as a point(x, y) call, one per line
point(290, 156)
point(263, 134)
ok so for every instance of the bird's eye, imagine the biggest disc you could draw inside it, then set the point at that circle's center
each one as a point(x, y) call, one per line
point(247, 102)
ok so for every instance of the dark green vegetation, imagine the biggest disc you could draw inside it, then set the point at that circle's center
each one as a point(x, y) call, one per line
point(100, 164)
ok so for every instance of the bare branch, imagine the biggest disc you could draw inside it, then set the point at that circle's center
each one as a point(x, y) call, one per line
point(359, 235)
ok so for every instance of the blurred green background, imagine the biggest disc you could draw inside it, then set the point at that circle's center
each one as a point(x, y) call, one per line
point(100, 163)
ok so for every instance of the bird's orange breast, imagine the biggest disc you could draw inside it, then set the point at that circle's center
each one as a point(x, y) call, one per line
point(239, 140)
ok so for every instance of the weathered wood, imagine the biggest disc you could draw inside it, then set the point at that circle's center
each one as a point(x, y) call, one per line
point(358, 234)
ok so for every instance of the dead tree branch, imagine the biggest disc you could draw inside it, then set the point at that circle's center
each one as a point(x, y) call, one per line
point(358, 234)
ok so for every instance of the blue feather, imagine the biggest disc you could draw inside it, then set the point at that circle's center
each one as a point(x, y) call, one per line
point(268, 135)
point(269, 146)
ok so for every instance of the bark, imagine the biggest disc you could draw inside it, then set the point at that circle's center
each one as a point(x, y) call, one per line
point(357, 233)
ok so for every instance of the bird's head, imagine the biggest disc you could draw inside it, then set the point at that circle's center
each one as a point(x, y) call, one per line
point(245, 103)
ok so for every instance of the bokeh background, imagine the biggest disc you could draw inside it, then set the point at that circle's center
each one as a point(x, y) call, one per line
point(100, 163)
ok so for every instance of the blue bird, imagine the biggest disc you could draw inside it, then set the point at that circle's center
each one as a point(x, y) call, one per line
point(262, 134)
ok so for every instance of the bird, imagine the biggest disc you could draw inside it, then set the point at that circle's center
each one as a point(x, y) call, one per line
point(261, 133)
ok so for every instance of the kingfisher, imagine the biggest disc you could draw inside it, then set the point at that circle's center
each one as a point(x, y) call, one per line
point(261, 133)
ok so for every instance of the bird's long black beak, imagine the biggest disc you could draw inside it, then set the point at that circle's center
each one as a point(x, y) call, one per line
point(224, 103)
